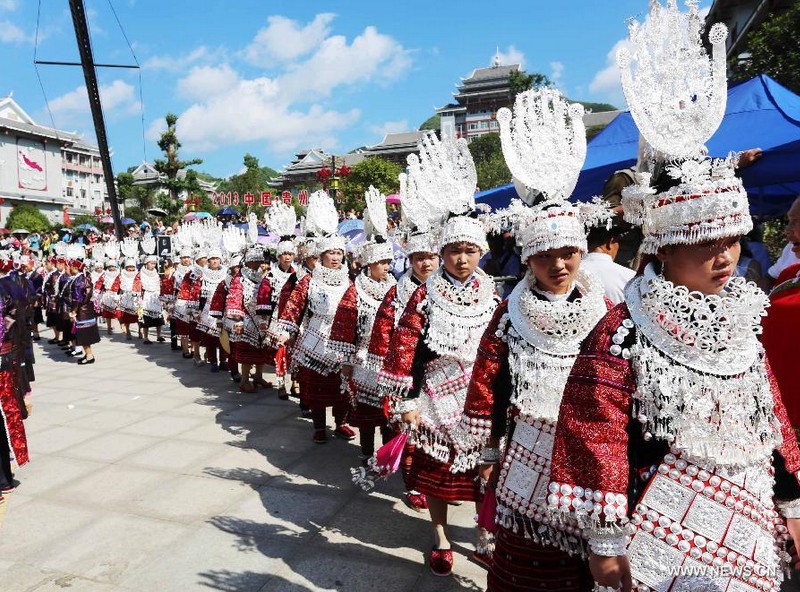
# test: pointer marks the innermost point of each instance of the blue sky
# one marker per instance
(273, 77)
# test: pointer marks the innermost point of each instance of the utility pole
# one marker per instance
(93, 90)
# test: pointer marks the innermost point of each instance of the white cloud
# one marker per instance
(510, 57)
(11, 33)
(371, 56)
(287, 110)
(118, 98)
(284, 39)
(390, 127)
(183, 61)
(557, 73)
(9, 5)
(606, 84)
(207, 80)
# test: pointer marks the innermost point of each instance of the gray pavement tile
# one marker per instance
(34, 526)
(211, 558)
(47, 472)
(186, 498)
(109, 548)
(109, 447)
(163, 426)
(52, 414)
(58, 438)
(106, 419)
(213, 433)
(114, 487)
(174, 456)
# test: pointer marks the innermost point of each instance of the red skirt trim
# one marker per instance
(521, 565)
(244, 353)
(126, 317)
(12, 416)
(182, 328)
(367, 416)
(318, 391)
(432, 477)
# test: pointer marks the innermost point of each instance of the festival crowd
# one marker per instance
(615, 429)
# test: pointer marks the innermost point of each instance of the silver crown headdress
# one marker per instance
(444, 178)
(544, 144)
(376, 228)
(112, 250)
(149, 245)
(130, 247)
(322, 218)
(419, 234)
(677, 95)
(282, 220)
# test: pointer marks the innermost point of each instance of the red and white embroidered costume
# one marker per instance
(129, 291)
(249, 302)
(430, 361)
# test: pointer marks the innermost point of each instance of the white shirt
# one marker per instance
(787, 259)
(613, 276)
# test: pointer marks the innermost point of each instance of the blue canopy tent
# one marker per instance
(760, 114)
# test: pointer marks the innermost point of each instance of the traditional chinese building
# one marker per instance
(47, 167)
(396, 147)
(302, 172)
(477, 100)
(742, 17)
(146, 175)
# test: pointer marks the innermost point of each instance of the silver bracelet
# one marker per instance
(489, 455)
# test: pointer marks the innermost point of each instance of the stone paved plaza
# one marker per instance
(147, 474)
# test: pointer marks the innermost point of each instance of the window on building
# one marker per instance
(69, 191)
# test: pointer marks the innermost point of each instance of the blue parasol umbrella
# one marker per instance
(350, 224)
(127, 221)
(88, 227)
(202, 215)
(228, 212)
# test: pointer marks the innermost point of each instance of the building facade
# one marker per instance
(52, 169)
(146, 175)
(477, 100)
(301, 173)
(396, 147)
(742, 17)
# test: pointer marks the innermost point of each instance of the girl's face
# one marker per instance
(378, 271)
(704, 267)
(332, 259)
(555, 269)
(461, 259)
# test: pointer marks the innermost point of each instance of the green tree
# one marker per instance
(134, 196)
(520, 81)
(774, 50)
(27, 217)
(171, 165)
(433, 123)
(375, 171)
(490, 165)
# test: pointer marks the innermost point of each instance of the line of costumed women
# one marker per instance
(673, 449)
(313, 305)
(352, 327)
(529, 347)
(430, 358)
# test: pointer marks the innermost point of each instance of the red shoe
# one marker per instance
(441, 562)
(345, 432)
(320, 437)
(416, 501)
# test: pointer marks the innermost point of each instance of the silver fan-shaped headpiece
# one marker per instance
(544, 144)
(676, 92)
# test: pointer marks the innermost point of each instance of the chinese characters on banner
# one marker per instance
(264, 198)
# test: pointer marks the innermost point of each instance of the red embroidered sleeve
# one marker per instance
(264, 298)
(195, 289)
(343, 330)
(589, 472)
(396, 376)
(234, 303)
(137, 283)
(115, 286)
(286, 291)
(217, 306)
(476, 421)
(98, 285)
(382, 329)
(292, 313)
(788, 449)
(168, 288)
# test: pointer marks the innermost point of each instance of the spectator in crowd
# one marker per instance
(502, 260)
(604, 246)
